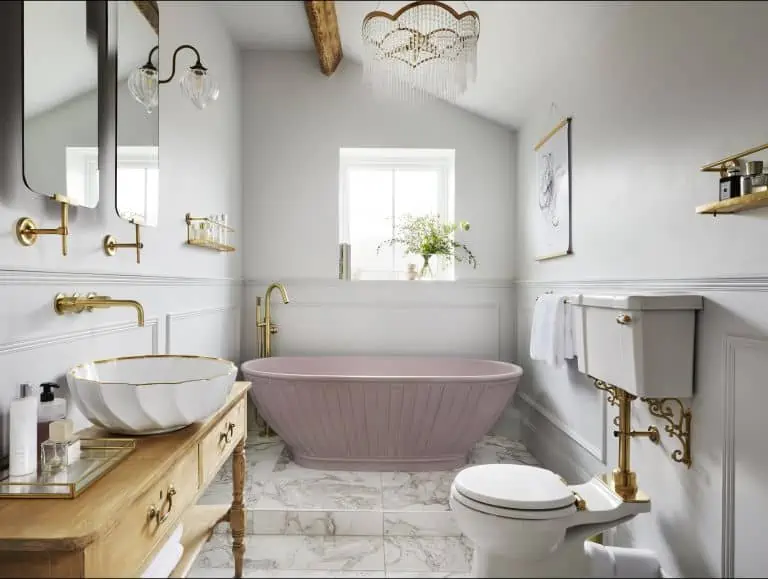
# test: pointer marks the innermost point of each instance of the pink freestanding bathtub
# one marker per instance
(381, 413)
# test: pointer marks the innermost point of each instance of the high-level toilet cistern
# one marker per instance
(264, 327)
(527, 521)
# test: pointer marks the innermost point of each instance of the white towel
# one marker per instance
(167, 557)
(552, 339)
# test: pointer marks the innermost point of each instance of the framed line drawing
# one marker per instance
(553, 193)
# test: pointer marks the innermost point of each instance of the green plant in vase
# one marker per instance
(426, 236)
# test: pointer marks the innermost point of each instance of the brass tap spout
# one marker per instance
(268, 328)
(76, 304)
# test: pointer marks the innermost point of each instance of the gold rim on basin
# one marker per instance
(146, 356)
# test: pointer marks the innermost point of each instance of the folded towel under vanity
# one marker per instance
(167, 557)
(552, 339)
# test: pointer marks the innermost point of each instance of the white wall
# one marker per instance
(646, 115)
(191, 296)
(295, 120)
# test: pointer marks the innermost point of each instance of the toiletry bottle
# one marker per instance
(50, 409)
(23, 436)
(730, 185)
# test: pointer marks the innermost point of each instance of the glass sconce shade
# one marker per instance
(144, 84)
(199, 87)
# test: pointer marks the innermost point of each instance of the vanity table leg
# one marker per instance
(237, 513)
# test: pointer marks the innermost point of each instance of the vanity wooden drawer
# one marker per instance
(220, 440)
(146, 523)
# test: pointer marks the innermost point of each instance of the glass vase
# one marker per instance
(426, 272)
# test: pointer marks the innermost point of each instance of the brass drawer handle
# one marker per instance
(624, 319)
(157, 513)
(228, 434)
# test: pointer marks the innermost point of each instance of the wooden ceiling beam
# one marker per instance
(325, 30)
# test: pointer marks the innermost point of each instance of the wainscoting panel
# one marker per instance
(326, 317)
(745, 464)
(205, 332)
(392, 328)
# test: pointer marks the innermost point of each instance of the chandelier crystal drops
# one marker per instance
(424, 48)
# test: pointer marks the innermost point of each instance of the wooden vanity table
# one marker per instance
(116, 527)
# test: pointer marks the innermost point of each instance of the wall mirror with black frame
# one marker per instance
(138, 127)
(61, 99)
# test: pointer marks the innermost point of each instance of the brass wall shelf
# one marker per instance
(210, 245)
(736, 205)
(678, 427)
(758, 198)
(202, 236)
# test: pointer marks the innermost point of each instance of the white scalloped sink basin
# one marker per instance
(150, 394)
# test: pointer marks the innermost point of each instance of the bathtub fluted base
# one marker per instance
(384, 464)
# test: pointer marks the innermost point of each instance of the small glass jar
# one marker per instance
(55, 455)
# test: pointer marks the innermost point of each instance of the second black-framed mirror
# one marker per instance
(138, 126)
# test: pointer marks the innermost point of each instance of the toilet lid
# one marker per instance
(514, 486)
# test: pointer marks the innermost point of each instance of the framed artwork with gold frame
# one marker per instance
(553, 193)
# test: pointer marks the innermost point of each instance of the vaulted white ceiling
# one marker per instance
(531, 54)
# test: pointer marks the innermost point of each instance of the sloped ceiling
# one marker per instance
(530, 54)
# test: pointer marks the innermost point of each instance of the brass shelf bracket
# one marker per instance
(608, 388)
(679, 424)
(27, 230)
(111, 246)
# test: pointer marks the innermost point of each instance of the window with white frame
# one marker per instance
(377, 187)
(138, 179)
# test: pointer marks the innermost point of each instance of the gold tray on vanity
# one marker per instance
(98, 456)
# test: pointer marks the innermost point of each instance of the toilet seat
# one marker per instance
(514, 492)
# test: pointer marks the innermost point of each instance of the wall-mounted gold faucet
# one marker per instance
(76, 304)
(264, 327)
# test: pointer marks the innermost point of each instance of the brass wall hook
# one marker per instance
(678, 427)
(27, 231)
(111, 245)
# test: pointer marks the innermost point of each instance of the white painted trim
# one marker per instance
(597, 453)
(173, 317)
(729, 430)
(752, 283)
(732, 344)
(68, 337)
(418, 286)
(22, 276)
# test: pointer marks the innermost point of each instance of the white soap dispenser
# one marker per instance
(50, 409)
(23, 436)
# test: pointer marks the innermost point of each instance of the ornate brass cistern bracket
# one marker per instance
(679, 427)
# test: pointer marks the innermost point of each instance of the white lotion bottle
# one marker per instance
(23, 436)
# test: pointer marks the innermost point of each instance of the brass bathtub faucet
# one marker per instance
(264, 327)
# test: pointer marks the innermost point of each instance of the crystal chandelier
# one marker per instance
(144, 82)
(424, 48)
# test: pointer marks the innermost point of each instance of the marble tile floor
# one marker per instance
(315, 523)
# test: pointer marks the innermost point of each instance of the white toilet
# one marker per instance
(525, 521)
